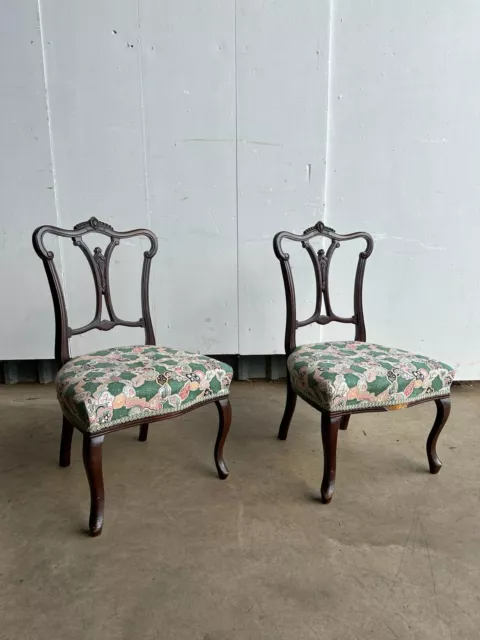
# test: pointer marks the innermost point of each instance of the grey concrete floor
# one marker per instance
(185, 556)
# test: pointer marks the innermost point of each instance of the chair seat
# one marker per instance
(114, 386)
(350, 376)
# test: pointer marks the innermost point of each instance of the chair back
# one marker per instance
(99, 264)
(321, 265)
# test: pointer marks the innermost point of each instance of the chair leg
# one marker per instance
(344, 423)
(143, 433)
(443, 411)
(330, 428)
(289, 409)
(66, 443)
(92, 459)
(225, 415)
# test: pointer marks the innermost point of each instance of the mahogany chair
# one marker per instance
(119, 388)
(343, 378)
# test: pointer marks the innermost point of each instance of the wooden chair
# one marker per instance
(343, 378)
(119, 388)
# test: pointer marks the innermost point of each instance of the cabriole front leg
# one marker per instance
(443, 411)
(330, 426)
(92, 459)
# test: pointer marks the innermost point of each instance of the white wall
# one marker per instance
(209, 124)
(282, 88)
(403, 163)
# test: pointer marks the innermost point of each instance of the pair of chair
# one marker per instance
(122, 387)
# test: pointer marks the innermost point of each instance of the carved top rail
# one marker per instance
(321, 260)
(99, 263)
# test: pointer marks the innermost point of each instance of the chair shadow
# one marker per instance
(313, 496)
(205, 469)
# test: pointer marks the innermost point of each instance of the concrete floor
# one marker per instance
(185, 556)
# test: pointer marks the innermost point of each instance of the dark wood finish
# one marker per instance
(66, 443)
(335, 420)
(330, 428)
(225, 419)
(443, 411)
(289, 410)
(92, 459)
(143, 432)
(99, 263)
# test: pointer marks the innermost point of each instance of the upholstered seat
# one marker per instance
(350, 376)
(114, 386)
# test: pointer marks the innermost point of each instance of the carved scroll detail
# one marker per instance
(101, 262)
(94, 224)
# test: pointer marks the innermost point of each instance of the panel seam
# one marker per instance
(52, 150)
(236, 167)
(144, 119)
(144, 144)
(328, 123)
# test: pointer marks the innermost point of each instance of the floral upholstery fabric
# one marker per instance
(348, 376)
(114, 386)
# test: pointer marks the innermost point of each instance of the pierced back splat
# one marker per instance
(321, 265)
(100, 266)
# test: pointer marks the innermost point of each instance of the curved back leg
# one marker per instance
(225, 415)
(66, 443)
(289, 410)
(143, 432)
(443, 411)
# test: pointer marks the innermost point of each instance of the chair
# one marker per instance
(343, 378)
(119, 388)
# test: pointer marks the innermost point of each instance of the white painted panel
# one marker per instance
(282, 64)
(95, 93)
(26, 185)
(403, 164)
(189, 86)
(143, 122)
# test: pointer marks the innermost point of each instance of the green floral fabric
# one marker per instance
(348, 376)
(118, 385)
